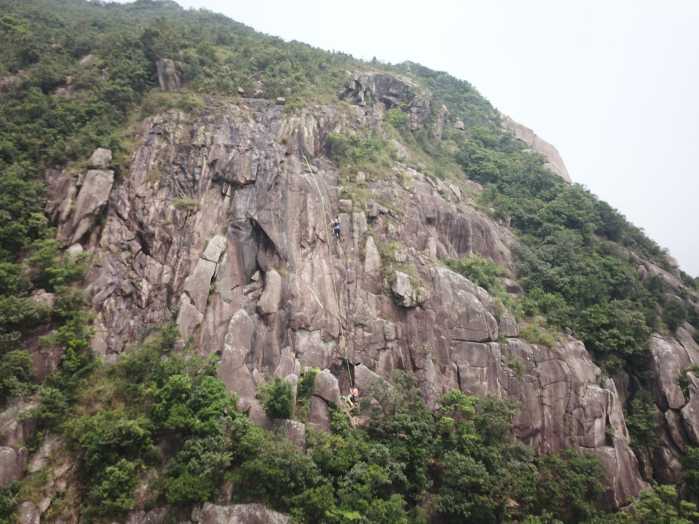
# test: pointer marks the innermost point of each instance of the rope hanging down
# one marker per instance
(347, 321)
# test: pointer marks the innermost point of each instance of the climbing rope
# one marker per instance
(347, 320)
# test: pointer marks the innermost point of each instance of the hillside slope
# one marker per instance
(171, 284)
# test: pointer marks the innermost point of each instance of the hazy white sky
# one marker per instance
(613, 84)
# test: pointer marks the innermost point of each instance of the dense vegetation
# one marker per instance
(169, 422)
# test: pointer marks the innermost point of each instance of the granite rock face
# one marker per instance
(168, 74)
(240, 514)
(675, 361)
(223, 223)
(550, 153)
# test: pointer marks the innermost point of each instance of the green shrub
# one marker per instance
(674, 314)
(53, 407)
(16, 374)
(305, 385)
(481, 271)
(690, 465)
(196, 471)
(185, 204)
(661, 505)
(355, 150)
(276, 475)
(278, 398)
(315, 504)
(569, 486)
(642, 421)
(8, 502)
(536, 333)
(397, 118)
(108, 436)
(112, 492)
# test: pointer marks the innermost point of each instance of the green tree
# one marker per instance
(278, 398)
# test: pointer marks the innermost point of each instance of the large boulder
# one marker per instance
(12, 464)
(271, 296)
(240, 514)
(28, 513)
(91, 200)
(101, 158)
(327, 387)
(168, 74)
(553, 158)
(406, 291)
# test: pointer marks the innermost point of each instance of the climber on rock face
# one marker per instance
(337, 231)
(354, 395)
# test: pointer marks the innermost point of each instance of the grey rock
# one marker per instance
(168, 74)
(550, 153)
(240, 514)
(670, 360)
(327, 387)
(154, 516)
(319, 415)
(92, 198)
(214, 249)
(405, 293)
(101, 158)
(44, 298)
(28, 513)
(12, 463)
(198, 283)
(271, 296)
(345, 206)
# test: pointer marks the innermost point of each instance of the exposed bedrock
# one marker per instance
(222, 226)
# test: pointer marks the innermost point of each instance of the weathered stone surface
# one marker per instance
(690, 412)
(168, 74)
(366, 381)
(28, 513)
(198, 284)
(12, 463)
(101, 158)
(240, 514)
(92, 198)
(550, 153)
(16, 427)
(406, 293)
(188, 318)
(319, 414)
(40, 459)
(271, 296)
(154, 516)
(327, 387)
(670, 361)
(252, 271)
(214, 249)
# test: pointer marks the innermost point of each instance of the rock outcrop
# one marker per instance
(240, 514)
(15, 430)
(168, 74)
(550, 153)
(675, 361)
(223, 223)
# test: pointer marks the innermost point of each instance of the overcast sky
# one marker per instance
(614, 85)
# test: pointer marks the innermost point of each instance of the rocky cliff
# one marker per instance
(214, 217)
(223, 224)
(553, 158)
